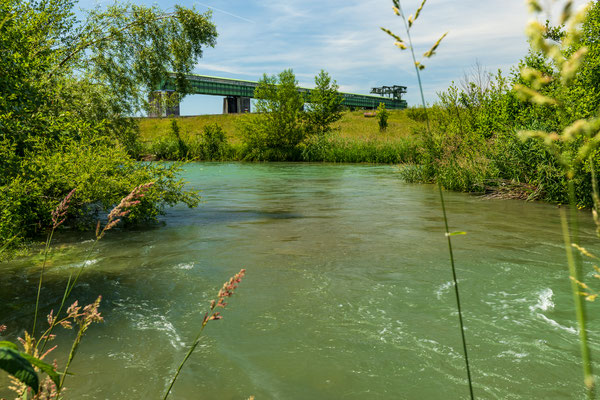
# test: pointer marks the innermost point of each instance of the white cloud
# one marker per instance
(343, 37)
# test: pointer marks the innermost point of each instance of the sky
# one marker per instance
(344, 39)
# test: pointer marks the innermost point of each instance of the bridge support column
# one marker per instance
(163, 104)
(236, 105)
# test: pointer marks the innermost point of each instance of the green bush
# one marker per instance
(324, 105)
(101, 173)
(333, 148)
(276, 129)
(382, 117)
(68, 85)
(416, 114)
(167, 148)
(214, 143)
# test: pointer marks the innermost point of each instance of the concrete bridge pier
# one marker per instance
(236, 105)
(163, 104)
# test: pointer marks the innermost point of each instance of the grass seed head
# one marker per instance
(59, 214)
(419, 10)
(431, 51)
(400, 45)
(392, 34)
(571, 66)
(567, 12)
(534, 6)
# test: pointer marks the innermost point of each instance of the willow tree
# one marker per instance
(69, 85)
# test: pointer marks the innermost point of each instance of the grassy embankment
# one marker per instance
(355, 138)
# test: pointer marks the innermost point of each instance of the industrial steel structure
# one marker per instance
(238, 93)
(395, 91)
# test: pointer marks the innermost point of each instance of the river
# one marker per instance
(348, 293)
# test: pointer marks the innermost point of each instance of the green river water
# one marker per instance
(348, 293)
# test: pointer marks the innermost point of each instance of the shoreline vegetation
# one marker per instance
(353, 139)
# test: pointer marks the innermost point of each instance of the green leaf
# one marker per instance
(16, 365)
(456, 233)
(10, 345)
(44, 367)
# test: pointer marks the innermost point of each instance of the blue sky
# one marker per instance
(343, 38)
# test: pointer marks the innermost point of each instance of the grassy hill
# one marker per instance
(355, 138)
(352, 125)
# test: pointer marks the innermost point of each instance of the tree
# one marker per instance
(325, 105)
(382, 117)
(68, 89)
(584, 94)
(275, 131)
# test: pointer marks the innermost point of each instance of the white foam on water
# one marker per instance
(513, 354)
(186, 266)
(555, 324)
(161, 323)
(545, 303)
(443, 288)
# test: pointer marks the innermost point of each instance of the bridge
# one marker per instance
(237, 94)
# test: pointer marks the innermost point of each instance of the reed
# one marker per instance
(19, 364)
(571, 147)
(401, 44)
(212, 314)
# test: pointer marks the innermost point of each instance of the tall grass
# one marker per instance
(212, 314)
(418, 67)
(583, 136)
(24, 366)
(354, 139)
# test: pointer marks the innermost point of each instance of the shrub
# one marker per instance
(102, 173)
(214, 143)
(416, 114)
(382, 117)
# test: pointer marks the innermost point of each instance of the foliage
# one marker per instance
(67, 89)
(102, 175)
(214, 143)
(324, 106)
(334, 148)
(408, 23)
(416, 114)
(474, 142)
(276, 129)
(579, 138)
(382, 117)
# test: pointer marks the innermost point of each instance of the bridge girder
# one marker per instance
(237, 88)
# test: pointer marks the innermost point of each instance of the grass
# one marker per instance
(355, 134)
(418, 66)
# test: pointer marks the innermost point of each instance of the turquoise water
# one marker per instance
(348, 293)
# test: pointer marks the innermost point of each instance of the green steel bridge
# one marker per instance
(238, 93)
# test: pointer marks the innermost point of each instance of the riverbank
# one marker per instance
(354, 138)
